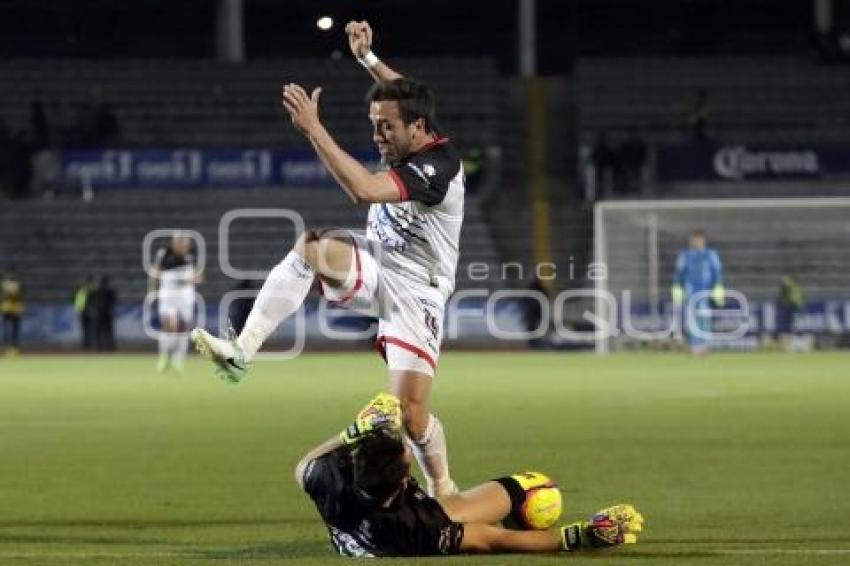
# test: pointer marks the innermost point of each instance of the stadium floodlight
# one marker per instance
(325, 23)
(759, 241)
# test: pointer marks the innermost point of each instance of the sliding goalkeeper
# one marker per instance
(697, 282)
(361, 484)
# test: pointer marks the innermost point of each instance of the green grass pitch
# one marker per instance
(734, 459)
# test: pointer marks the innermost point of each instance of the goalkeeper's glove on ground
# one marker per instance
(612, 526)
(382, 411)
(718, 295)
(677, 294)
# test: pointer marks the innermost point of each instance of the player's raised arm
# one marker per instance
(360, 42)
(382, 411)
(359, 183)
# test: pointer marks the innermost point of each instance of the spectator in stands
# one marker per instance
(103, 300)
(633, 155)
(105, 123)
(12, 309)
(39, 126)
(5, 159)
(60, 125)
(82, 131)
(19, 153)
(45, 136)
(789, 301)
(84, 307)
(45, 169)
(604, 160)
(699, 115)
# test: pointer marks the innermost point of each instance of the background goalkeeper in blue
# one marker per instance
(698, 270)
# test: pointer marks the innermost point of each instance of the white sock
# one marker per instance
(163, 343)
(282, 294)
(431, 454)
(181, 345)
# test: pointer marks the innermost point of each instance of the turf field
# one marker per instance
(733, 459)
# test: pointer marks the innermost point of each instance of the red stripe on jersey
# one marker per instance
(432, 144)
(399, 184)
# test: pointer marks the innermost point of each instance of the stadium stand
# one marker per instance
(209, 103)
(55, 244)
(752, 98)
(176, 103)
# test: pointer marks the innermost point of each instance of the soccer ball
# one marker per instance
(543, 503)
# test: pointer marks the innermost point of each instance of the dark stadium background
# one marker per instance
(595, 134)
(608, 110)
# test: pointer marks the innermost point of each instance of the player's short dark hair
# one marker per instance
(415, 100)
(379, 465)
(698, 233)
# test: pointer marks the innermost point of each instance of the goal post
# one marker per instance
(759, 242)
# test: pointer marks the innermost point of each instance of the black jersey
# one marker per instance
(176, 272)
(413, 525)
(165, 259)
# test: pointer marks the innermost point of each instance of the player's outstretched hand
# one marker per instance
(618, 524)
(382, 411)
(359, 37)
(302, 109)
(612, 526)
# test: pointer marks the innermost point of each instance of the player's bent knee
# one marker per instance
(312, 244)
(305, 244)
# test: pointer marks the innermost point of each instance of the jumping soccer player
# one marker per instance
(360, 482)
(402, 271)
(175, 272)
(698, 270)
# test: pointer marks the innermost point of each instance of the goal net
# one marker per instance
(759, 241)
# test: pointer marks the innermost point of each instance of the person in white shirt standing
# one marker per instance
(174, 277)
(402, 270)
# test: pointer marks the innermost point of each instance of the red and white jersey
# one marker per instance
(419, 237)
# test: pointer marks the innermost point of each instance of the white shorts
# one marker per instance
(177, 303)
(410, 327)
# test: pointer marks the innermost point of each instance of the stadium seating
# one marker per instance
(55, 244)
(752, 98)
(209, 103)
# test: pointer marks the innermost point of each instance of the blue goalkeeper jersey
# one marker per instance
(698, 270)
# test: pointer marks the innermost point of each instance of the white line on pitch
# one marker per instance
(763, 551)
